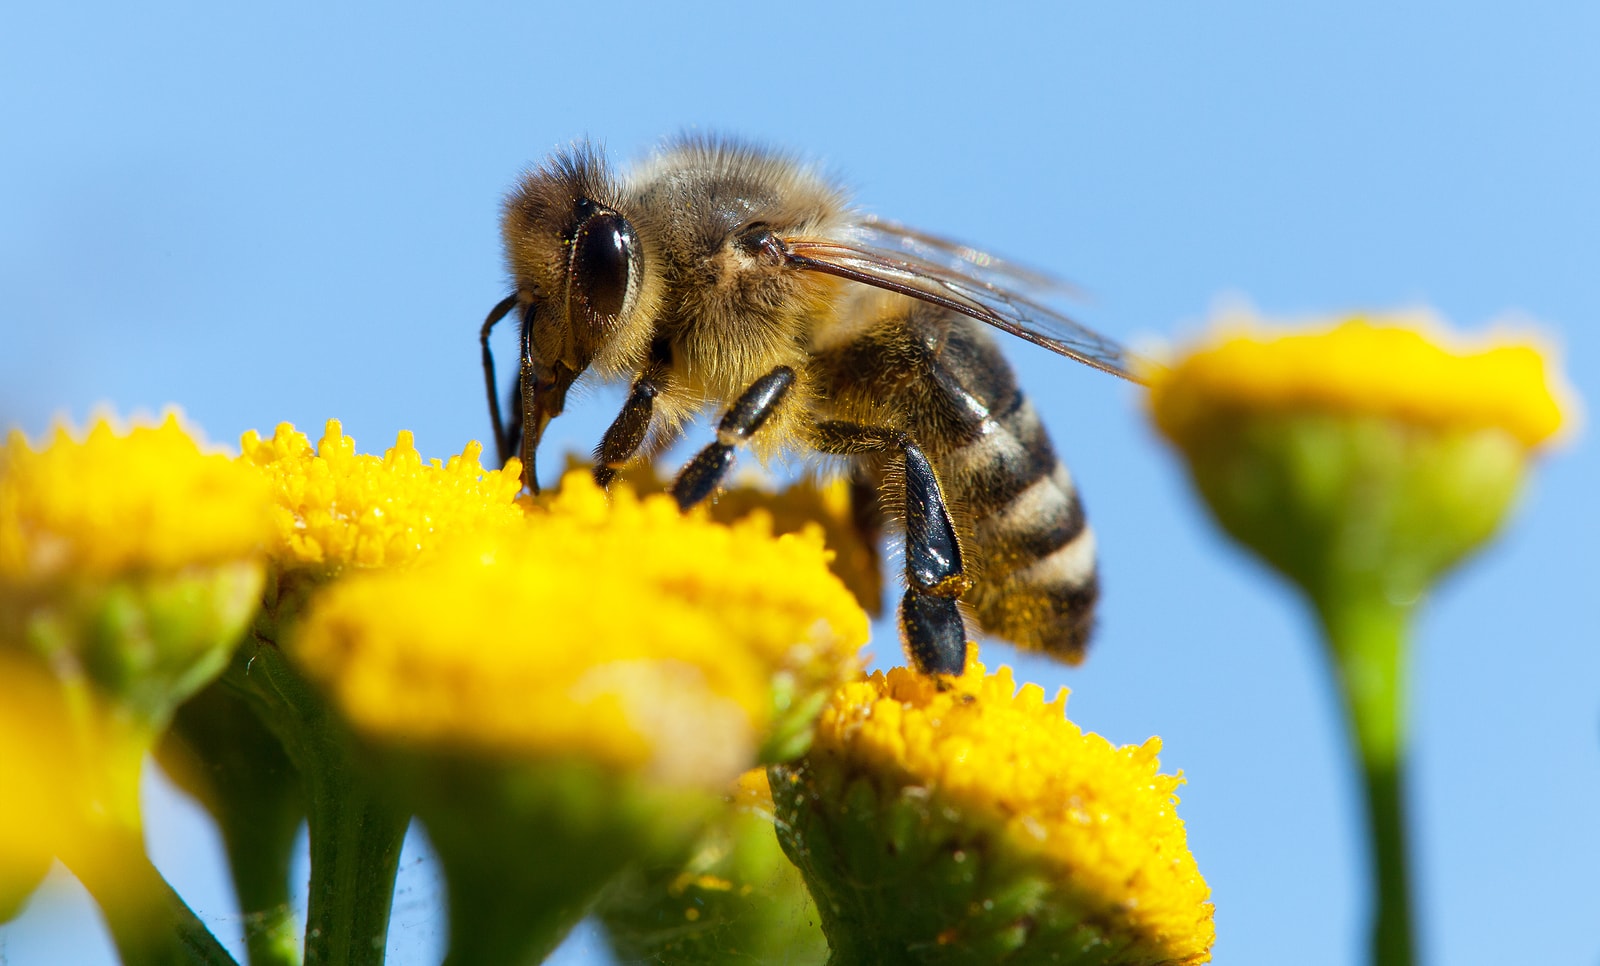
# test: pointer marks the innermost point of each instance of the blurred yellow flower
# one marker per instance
(130, 559)
(336, 507)
(117, 501)
(130, 562)
(44, 800)
(1404, 368)
(975, 820)
(1363, 455)
(1363, 461)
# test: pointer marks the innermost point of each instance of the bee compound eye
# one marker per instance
(603, 263)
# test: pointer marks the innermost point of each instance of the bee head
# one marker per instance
(575, 260)
(578, 269)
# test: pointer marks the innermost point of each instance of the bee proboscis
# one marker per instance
(720, 275)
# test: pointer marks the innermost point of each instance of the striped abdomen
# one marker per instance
(941, 378)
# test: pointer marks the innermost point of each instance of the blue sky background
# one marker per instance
(289, 212)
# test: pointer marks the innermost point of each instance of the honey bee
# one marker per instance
(721, 275)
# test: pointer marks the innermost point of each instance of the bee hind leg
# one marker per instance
(930, 623)
(866, 519)
(700, 478)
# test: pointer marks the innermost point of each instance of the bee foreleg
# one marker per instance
(930, 624)
(511, 442)
(505, 442)
(699, 479)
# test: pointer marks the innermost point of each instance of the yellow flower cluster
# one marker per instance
(1386, 367)
(624, 631)
(660, 654)
(336, 507)
(1101, 818)
(118, 501)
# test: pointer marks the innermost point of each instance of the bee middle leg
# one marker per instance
(625, 434)
(699, 479)
(930, 623)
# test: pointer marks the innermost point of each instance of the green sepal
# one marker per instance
(735, 899)
(1343, 504)
(899, 876)
(219, 752)
(794, 719)
(142, 642)
(527, 848)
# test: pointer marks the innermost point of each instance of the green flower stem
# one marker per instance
(218, 751)
(356, 837)
(861, 944)
(261, 880)
(260, 865)
(1367, 634)
(356, 833)
(149, 923)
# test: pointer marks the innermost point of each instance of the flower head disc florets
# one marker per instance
(337, 508)
(1404, 368)
(975, 822)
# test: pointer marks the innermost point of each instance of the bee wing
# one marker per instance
(890, 236)
(963, 289)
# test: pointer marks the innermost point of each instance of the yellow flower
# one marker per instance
(1365, 455)
(337, 508)
(1400, 368)
(975, 823)
(579, 689)
(827, 505)
(337, 513)
(624, 631)
(129, 559)
(116, 501)
(1362, 462)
